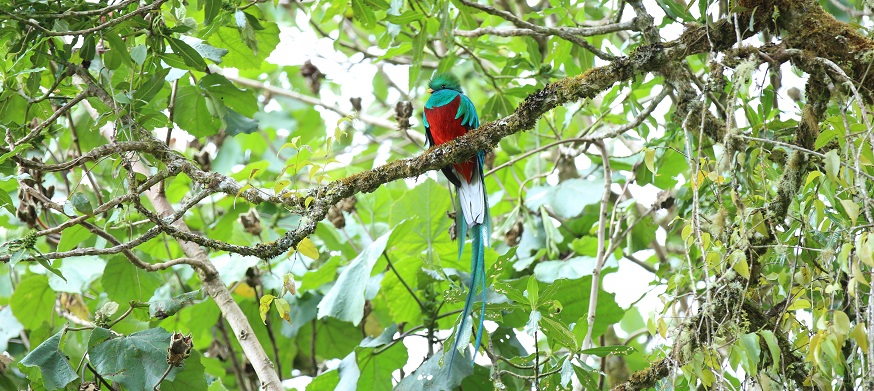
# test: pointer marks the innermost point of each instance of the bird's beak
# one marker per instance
(430, 90)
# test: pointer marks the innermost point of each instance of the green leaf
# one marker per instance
(211, 9)
(398, 300)
(190, 56)
(376, 369)
(32, 301)
(558, 332)
(206, 50)
(138, 54)
(82, 203)
(264, 307)
(832, 164)
(52, 363)
(6, 202)
(568, 199)
(15, 151)
(405, 18)
(496, 107)
(136, 361)
(533, 292)
(48, 265)
(773, 347)
(241, 56)
(345, 300)
(325, 273)
(124, 282)
(191, 377)
(88, 48)
(363, 14)
(427, 203)
(749, 345)
(80, 272)
(196, 119)
(435, 374)
(150, 88)
(237, 123)
(221, 88)
(418, 55)
(72, 237)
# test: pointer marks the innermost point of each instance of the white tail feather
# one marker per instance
(472, 196)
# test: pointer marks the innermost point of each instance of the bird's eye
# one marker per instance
(443, 86)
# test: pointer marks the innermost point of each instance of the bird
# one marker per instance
(448, 115)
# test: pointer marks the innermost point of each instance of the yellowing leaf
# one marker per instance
(264, 306)
(852, 209)
(865, 249)
(832, 164)
(279, 185)
(842, 324)
(649, 160)
(740, 264)
(288, 284)
(687, 231)
(860, 336)
(799, 304)
(245, 290)
(308, 249)
(812, 176)
(283, 308)
(701, 176)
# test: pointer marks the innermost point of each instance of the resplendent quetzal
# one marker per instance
(450, 114)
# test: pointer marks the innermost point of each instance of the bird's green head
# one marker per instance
(444, 81)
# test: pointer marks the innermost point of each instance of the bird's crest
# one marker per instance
(445, 81)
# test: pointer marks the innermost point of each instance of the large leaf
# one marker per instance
(52, 363)
(241, 56)
(435, 375)
(401, 304)
(136, 361)
(192, 114)
(345, 300)
(32, 301)
(220, 87)
(376, 368)
(429, 202)
(124, 282)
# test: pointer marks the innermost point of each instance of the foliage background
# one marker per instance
(269, 224)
